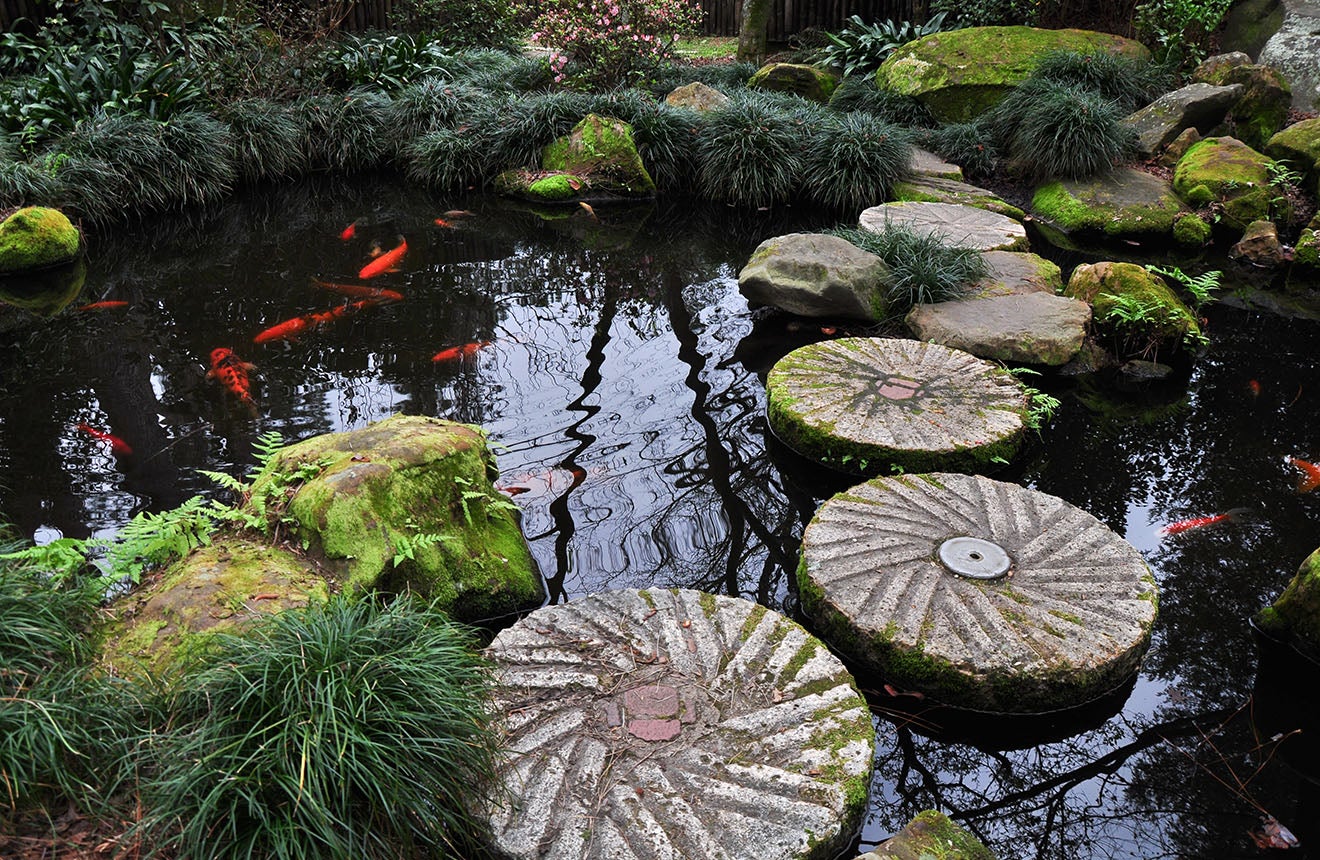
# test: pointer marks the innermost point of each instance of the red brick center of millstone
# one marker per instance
(653, 712)
(897, 388)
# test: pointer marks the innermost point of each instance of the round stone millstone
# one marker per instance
(956, 224)
(1066, 623)
(862, 404)
(674, 724)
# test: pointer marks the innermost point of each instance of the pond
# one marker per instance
(621, 378)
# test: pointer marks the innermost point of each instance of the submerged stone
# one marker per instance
(37, 237)
(408, 503)
(803, 80)
(645, 723)
(863, 405)
(47, 291)
(1295, 616)
(931, 835)
(978, 593)
(955, 224)
(816, 275)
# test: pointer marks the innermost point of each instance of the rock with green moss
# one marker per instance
(407, 503)
(1199, 107)
(1191, 230)
(803, 80)
(1134, 306)
(1295, 616)
(1227, 172)
(1261, 108)
(816, 275)
(1127, 204)
(935, 189)
(931, 835)
(1249, 25)
(601, 150)
(47, 291)
(35, 238)
(1016, 272)
(216, 588)
(1304, 274)
(1298, 145)
(961, 74)
(1028, 328)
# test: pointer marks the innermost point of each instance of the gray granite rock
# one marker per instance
(1200, 106)
(1032, 328)
(696, 96)
(1293, 51)
(816, 275)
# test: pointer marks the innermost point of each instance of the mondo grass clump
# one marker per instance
(267, 140)
(854, 159)
(1052, 130)
(970, 145)
(1130, 81)
(346, 730)
(861, 94)
(346, 132)
(923, 267)
(448, 159)
(750, 151)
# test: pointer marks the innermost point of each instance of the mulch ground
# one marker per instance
(71, 835)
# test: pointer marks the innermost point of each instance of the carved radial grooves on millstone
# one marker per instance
(708, 681)
(1066, 624)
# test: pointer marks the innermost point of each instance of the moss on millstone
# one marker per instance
(931, 836)
(407, 503)
(1108, 286)
(216, 588)
(803, 80)
(1295, 616)
(1191, 230)
(37, 237)
(602, 150)
(1228, 171)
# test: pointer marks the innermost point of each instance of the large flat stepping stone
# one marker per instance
(861, 405)
(1013, 273)
(675, 724)
(937, 189)
(1032, 328)
(927, 164)
(958, 225)
(979, 593)
(1125, 203)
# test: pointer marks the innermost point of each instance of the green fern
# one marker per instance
(229, 482)
(60, 560)
(406, 547)
(1201, 288)
(153, 539)
(267, 446)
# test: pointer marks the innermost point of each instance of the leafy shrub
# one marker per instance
(388, 61)
(923, 267)
(987, 13)
(1050, 129)
(970, 145)
(750, 151)
(861, 94)
(1177, 31)
(609, 42)
(267, 140)
(344, 730)
(854, 159)
(859, 48)
(1129, 81)
(346, 132)
(464, 23)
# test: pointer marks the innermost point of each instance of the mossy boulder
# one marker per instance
(1249, 25)
(1295, 616)
(696, 96)
(1226, 171)
(1191, 230)
(45, 292)
(931, 835)
(1261, 109)
(408, 503)
(1126, 204)
(1299, 146)
(215, 589)
(803, 80)
(1135, 306)
(602, 150)
(37, 237)
(961, 74)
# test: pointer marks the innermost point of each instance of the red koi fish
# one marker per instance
(1253, 386)
(460, 352)
(349, 232)
(293, 328)
(379, 294)
(383, 262)
(102, 306)
(1200, 522)
(118, 446)
(1310, 477)
(232, 373)
(440, 222)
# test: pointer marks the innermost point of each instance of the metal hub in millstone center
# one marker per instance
(974, 558)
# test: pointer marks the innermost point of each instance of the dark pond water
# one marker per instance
(622, 385)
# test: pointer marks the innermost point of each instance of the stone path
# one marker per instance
(962, 226)
(675, 724)
(978, 593)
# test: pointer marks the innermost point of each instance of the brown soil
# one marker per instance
(71, 835)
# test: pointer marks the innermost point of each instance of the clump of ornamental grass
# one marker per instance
(970, 145)
(202, 149)
(1129, 81)
(519, 127)
(23, 183)
(750, 151)
(666, 139)
(345, 730)
(133, 148)
(1049, 130)
(499, 71)
(861, 94)
(447, 159)
(347, 132)
(267, 139)
(923, 266)
(427, 105)
(854, 159)
(93, 187)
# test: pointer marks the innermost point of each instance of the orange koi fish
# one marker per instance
(1254, 387)
(460, 352)
(383, 262)
(102, 306)
(293, 328)
(380, 294)
(232, 373)
(349, 232)
(1310, 477)
(440, 222)
(118, 446)
(1200, 522)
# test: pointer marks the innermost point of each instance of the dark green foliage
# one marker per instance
(728, 78)
(750, 151)
(94, 187)
(346, 730)
(1050, 130)
(987, 13)
(202, 149)
(500, 72)
(970, 145)
(923, 267)
(22, 183)
(860, 47)
(346, 132)
(1129, 81)
(861, 94)
(388, 61)
(266, 140)
(518, 128)
(430, 105)
(853, 159)
(464, 23)
(666, 139)
(447, 159)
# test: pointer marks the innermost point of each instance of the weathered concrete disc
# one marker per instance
(862, 404)
(957, 224)
(1067, 622)
(675, 724)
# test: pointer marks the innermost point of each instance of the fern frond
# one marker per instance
(268, 444)
(229, 482)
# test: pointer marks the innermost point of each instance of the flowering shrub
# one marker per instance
(609, 42)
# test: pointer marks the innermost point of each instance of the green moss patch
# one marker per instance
(1227, 171)
(803, 80)
(1126, 204)
(602, 150)
(1116, 291)
(1295, 616)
